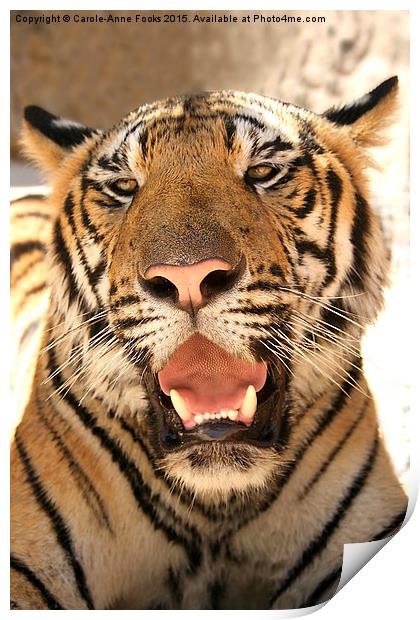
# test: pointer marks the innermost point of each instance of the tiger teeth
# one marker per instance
(249, 405)
(246, 412)
(180, 406)
(232, 414)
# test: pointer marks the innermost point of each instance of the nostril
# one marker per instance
(219, 280)
(213, 283)
(161, 287)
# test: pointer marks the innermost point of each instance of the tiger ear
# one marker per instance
(47, 138)
(369, 115)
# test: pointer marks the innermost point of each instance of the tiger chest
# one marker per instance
(220, 582)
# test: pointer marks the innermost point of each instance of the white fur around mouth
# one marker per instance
(244, 414)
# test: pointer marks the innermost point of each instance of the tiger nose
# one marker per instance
(191, 286)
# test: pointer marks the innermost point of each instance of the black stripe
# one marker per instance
(307, 137)
(308, 204)
(288, 254)
(275, 146)
(87, 222)
(63, 255)
(305, 246)
(176, 589)
(360, 230)
(328, 581)
(58, 524)
(335, 451)
(25, 247)
(334, 314)
(14, 605)
(332, 411)
(335, 186)
(253, 137)
(261, 285)
(129, 322)
(137, 439)
(277, 271)
(269, 308)
(69, 211)
(21, 567)
(98, 271)
(216, 590)
(327, 255)
(237, 116)
(319, 543)
(124, 301)
(107, 164)
(230, 129)
(141, 491)
(304, 160)
(142, 139)
(99, 325)
(391, 527)
(87, 489)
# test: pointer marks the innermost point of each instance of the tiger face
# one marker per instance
(224, 250)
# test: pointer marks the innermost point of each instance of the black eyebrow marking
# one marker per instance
(275, 146)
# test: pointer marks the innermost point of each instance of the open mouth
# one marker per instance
(205, 394)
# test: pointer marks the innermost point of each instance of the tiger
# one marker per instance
(198, 431)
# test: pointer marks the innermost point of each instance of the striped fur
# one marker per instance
(103, 515)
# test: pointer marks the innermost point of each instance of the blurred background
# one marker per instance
(97, 72)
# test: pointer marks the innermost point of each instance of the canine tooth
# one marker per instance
(179, 405)
(198, 418)
(232, 415)
(249, 404)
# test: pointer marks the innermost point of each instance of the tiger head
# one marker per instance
(226, 242)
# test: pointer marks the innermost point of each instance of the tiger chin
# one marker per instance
(190, 298)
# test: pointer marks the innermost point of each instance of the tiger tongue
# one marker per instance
(208, 378)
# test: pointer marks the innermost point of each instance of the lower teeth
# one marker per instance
(232, 414)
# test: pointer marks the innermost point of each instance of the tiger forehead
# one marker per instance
(213, 124)
(207, 105)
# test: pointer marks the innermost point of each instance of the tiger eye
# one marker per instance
(259, 173)
(126, 185)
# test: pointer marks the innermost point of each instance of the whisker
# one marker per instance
(327, 325)
(301, 354)
(79, 372)
(93, 319)
(102, 374)
(345, 314)
(326, 354)
(323, 333)
(79, 351)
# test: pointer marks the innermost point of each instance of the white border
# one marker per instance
(388, 584)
